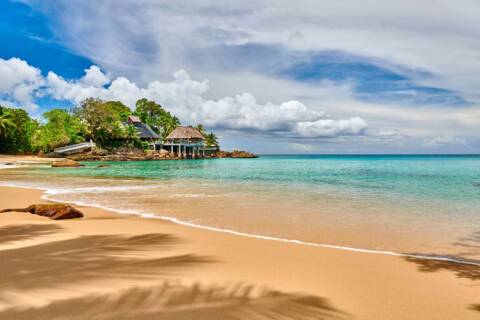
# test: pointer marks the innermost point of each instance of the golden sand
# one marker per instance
(127, 267)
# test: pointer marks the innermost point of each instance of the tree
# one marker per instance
(201, 128)
(18, 133)
(122, 111)
(153, 114)
(62, 128)
(6, 123)
(104, 120)
(211, 140)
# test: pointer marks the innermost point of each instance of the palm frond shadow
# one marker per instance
(467, 265)
(174, 301)
(24, 232)
(475, 307)
(88, 258)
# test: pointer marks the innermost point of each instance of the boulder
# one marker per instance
(52, 211)
(67, 163)
(103, 166)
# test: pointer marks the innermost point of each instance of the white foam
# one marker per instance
(49, 192)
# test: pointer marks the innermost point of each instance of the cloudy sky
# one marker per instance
(277, 76)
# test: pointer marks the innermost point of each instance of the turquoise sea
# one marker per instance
(425, 204)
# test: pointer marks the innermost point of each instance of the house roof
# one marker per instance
(133, 119)
(145, 131)
(185, 133)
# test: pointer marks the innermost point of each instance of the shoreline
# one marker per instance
(338, 273)
(47, 192)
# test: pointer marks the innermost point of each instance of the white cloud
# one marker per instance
(443, 141)
(184, 97)
(145, 39)
(301, 147)
(19, 82)
(328, 128)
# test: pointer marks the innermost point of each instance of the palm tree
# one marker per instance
(211, 140)
(5, 124)
(170, 124)
(201, 128)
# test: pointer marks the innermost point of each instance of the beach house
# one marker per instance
(185, 142)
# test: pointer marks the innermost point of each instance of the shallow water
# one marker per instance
(409, 204)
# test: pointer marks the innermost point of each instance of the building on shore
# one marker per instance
(187, 143)
(145, 132)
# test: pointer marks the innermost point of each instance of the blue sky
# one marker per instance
(312, 78)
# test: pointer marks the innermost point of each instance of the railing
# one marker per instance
(75, 147)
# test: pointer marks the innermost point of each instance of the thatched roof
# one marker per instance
(185, 133)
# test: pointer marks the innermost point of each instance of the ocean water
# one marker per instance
(428, 205)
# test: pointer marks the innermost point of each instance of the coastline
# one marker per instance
(356, 284)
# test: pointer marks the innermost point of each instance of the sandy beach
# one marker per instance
(128, 267)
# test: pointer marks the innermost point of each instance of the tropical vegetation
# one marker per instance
(104, 122)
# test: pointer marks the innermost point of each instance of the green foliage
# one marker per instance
(153, 114)
(17, 129)
(62, 128)
(104, 123)
(201, 128)
(120, 109)
(6, 123)
(211, 140)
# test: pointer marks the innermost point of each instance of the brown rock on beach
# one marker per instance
(67, 163)
(52, 211)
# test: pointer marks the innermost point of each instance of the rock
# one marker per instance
(235, 154)
(52, 211)
(103, 166)
(67, 163)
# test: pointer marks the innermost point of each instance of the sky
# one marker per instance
(305, 76)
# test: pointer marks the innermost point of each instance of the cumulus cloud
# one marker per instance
(443, 141)
(301, 147)
(331, 128)
(19, 82)
(185, 97)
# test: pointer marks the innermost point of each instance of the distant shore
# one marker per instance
(119, 265)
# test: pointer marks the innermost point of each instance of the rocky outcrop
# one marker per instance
(67, 163)
(141, 155)
(124, 155)
(52, 211)
(235, 154)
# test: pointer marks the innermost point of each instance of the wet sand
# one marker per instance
(127, 267)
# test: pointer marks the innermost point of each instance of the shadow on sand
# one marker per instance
(89, 258)
(470, 251)
(475, 307)
(24, 232)
(469, 269)
(108, 258)
(172, 301)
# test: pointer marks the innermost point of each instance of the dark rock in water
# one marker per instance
(52, 211)
(103, 166)
(235, 154)
(67, 163)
